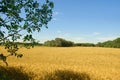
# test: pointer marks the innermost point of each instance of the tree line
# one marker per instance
(111, 43)
(59, 42)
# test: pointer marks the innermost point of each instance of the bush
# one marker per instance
(13, 73)
(65, 75)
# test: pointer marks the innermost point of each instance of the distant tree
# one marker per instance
(114, 43)
(18, 20)
(47, 43)
(117, 43)
(99, 44)
(59, 42)
(85, 44)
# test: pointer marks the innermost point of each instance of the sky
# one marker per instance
(83, 21)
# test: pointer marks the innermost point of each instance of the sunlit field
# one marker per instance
(97, 63)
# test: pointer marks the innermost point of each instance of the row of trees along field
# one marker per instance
(113, 43)
(59, 42)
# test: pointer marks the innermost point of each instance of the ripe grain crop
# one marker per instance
(97, 63)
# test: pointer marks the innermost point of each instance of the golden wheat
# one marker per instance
(99, 63)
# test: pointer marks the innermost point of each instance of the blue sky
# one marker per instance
(83, 21)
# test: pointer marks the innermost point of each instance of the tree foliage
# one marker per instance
(59, 42)
(85, 44)
(113, 44)
(18, 20)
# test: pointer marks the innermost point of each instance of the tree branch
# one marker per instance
(3, 39)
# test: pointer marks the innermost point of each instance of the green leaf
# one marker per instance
(2, 34)
(29, 30)
(51, 4)
(35, 5)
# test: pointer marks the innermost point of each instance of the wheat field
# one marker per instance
(98, 63)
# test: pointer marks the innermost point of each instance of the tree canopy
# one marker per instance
(113, 43)
(58, 42)
(22, 16)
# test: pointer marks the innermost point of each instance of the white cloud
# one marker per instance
(54, 19)
(55, 13)
(59, 32)
(107, 38)
(79, 40)
(62, 34)
(96, 33)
